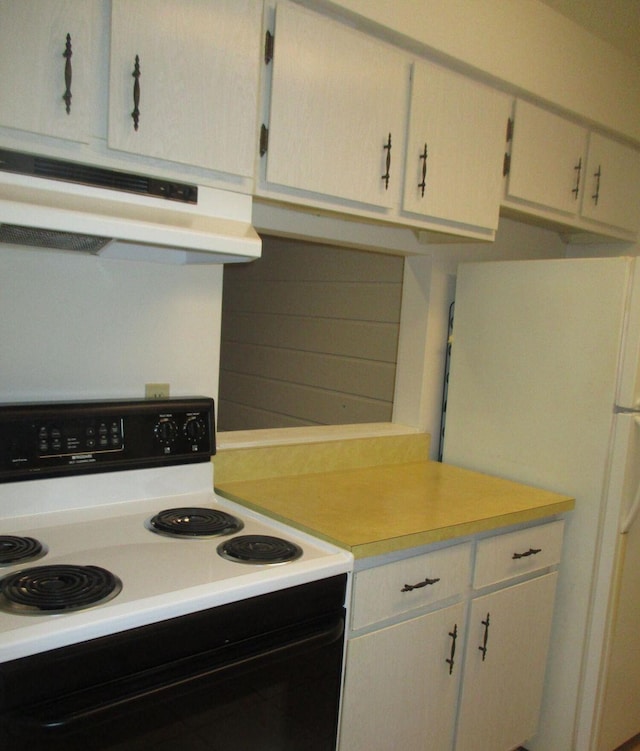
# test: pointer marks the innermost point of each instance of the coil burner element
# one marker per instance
(14, 549)
(258, 549)
(58, 588)
(194, 522)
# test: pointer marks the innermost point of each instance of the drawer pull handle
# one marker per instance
(531, 551)
(483, 647)
(454, 636)
(419, 585)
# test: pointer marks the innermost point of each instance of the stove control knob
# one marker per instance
(195, 429)
(166, 431)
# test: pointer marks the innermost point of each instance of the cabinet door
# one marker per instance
(400, 692)
(505, 665)
(338, 99)
(455, 148)
(199, 64)
(33, 43)
(547, 159)
(612, 183)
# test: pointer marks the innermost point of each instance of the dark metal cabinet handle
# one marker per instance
(136, 93)
(531, 551)
(596, 195)
(423, 159)
(427, 582)
(578, 170)
(454, 636)
(68, 52)
(483, 647)
(387, 174)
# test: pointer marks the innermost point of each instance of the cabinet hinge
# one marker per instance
(506, 165)
(264, 139)
(268, 47)
(509, 129)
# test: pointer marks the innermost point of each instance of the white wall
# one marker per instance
(523, 44)
(75, 326)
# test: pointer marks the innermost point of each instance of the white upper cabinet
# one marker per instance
(561, 170)
(547, 159)
(49, 81)
(455, 148)
(611, 193)
(190, 73)
(338, 111)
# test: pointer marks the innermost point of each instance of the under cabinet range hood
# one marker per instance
(60, 205)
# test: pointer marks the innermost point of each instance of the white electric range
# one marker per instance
(104, 470)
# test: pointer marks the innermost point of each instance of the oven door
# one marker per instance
(261, 674)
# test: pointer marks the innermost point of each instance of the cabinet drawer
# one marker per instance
(409, 584)
(504, 557)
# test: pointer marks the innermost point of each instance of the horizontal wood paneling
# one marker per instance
(297, 260)
(348, 375)
(370, 340)
(359, 301)
(239, 416)
(309, 336)
(312, 406)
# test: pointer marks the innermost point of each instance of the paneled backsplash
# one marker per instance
(309, 336)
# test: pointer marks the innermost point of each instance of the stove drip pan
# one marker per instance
(59, 588)
(15, 549)
(194, 522)
(259, 549)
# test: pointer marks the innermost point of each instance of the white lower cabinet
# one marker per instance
(400, 691)
(443, 657)
(508, 641)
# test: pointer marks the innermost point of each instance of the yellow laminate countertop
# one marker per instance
(381, 509)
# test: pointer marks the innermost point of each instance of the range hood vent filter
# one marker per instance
(41, 238)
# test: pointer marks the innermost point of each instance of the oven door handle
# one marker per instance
(104, 702)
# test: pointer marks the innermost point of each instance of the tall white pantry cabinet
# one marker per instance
(446, 656)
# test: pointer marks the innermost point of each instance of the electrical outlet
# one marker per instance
(156, 391)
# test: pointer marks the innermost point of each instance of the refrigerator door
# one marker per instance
(532, 387)
(534, 365)
(619, 686)
(628, 395)
(620, 495)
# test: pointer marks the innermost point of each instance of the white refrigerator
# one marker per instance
(544, 388)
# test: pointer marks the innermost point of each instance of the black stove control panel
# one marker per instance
(64, 438)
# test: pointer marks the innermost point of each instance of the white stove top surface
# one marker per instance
(162, 577)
